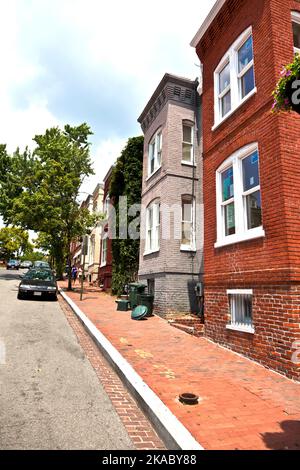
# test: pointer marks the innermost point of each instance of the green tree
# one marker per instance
(45, 198)
(126, 180)
(13, 242)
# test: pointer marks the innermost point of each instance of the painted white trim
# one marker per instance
(155, 171)
(188, 163)
(244, 329)
(207, 22)
(240, 291)
(233, 110)
(164, 416)
(150, 252)
(252, 234)
(187, 248)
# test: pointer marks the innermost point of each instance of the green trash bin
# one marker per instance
(147, 300)
(135, 289)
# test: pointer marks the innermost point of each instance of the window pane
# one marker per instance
(187, 210)
(229, 219)
(241, 309)
(186, 235)
(250, 171)
(187, 134)
(247, 82)
(187, 155)
(224, 78)
(227, 184)
(296, 32)
(226, 103)
(254, 217)
(245, 54)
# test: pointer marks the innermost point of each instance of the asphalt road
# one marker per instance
(50, 396)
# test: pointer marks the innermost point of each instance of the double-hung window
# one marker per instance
(296, 31)
(152, 227)
(240, 305)
(187, 143)
(234, 77)
(239, 208)
(104, 250)
(187, 223)
(154, 154)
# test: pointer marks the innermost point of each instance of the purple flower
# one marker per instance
(286, 101)
(288, 73)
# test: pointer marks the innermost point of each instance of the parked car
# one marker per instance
(41, 264)
(38, 283)
(26, 264)
(13, 264)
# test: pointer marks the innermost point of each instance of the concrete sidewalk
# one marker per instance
(242, 405)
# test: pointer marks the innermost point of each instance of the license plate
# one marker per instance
(37, 293)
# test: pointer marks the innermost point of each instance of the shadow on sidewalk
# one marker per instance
(289, 439)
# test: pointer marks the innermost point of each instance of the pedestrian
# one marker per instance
(79, 273)
(74, 273)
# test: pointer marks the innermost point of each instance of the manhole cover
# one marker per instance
(188, 398)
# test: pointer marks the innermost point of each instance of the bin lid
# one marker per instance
(139, 312)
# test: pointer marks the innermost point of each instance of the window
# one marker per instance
(187, 143)
(239, 209)
(234, 77)
(240, 305)
(187, 223)
(154, 157)
(296, 31)
(152, 227)
(104, 250)
(106, 206)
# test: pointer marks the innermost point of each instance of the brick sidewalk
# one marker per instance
(242, 405)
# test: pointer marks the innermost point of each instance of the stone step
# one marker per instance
(192, 330)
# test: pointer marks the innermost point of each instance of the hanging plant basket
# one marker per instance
(287, 92)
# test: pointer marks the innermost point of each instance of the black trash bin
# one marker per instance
(147, 300)
(135, 289)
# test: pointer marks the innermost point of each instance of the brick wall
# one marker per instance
(270, 265)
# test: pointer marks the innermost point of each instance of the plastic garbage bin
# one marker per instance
(147, 300)
(135, 289)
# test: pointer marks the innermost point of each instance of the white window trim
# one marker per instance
(155, 140)
(104, 263)
(192, 144)
(296, 19)
(236, 100)
(155, 227)
(192, 246)
(242, 233)
(236, 327)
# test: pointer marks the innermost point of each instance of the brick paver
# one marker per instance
(242, 405)
(138, 427)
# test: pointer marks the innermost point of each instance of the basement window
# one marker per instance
(240, 305)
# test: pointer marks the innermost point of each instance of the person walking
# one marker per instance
(74, 274)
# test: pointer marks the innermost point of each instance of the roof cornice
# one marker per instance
(207, 22)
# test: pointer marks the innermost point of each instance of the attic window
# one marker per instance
(177, 90)
(188, 94)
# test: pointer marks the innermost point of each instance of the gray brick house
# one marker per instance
(172, 208)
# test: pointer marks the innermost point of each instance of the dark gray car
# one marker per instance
(38, 283)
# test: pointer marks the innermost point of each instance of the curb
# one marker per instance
(168, 427)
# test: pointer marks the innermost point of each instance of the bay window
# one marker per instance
(154, 154)
(187, 143)
(239, 209)
(234, 77)
(187, 223)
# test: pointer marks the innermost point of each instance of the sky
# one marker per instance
(95, 61)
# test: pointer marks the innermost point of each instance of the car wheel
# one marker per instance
(21, 296)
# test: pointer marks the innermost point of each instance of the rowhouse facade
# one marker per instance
(171, 220)
(251, 181)
(105, 267)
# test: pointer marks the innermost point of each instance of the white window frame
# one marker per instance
(152, 238)
(155, 151)
(234, 324)
(104, 250)
(190, 162)
(192, 245)
(231, 57)
(295, 19)
(242, 233)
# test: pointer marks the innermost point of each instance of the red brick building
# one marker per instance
(105, 268)
(251, 181)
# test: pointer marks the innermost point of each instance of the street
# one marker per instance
(50, 396)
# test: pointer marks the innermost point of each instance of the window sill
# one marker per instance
(154, 172)
(188, 163)
(102, 265)
(243, 329)
(187, 248)
(150, 252)
(217, 124)
(249, 235)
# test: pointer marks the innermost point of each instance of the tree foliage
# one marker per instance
(39, 190)
(126, 180)
(13, 242)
